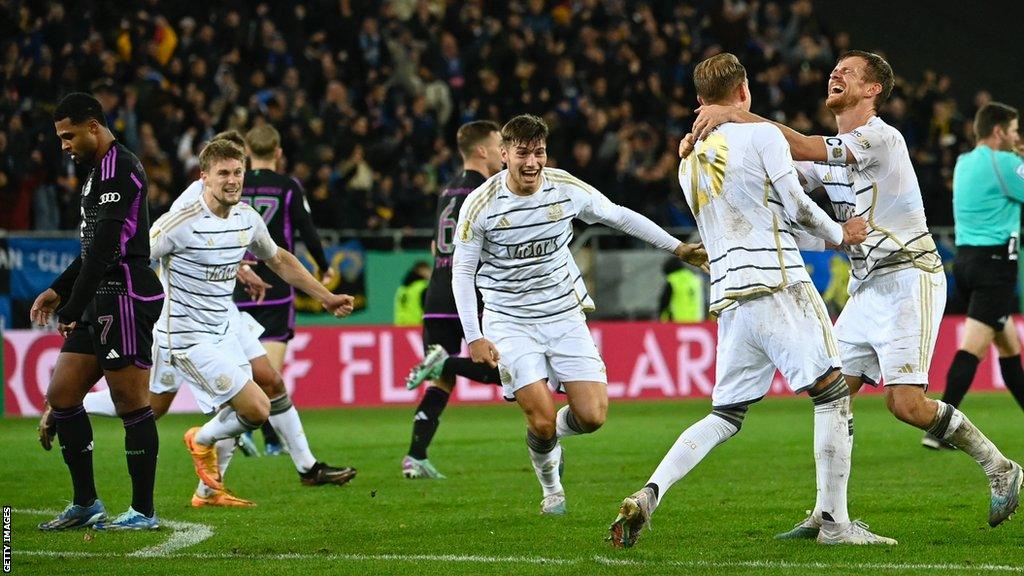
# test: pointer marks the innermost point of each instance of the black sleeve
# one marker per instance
(307, 231)
(103, 253)
(62, 285)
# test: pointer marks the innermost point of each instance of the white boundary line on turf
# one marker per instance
(809, 565)
(184, 534)
(603, 560)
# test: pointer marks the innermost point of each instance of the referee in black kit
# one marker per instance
(988, 189)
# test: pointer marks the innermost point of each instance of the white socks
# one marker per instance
(566, 424)
(689, 449)
(289, 427)
(963, 434)
(226, 424)
(833, 447)
(546, 467)
(100, 403)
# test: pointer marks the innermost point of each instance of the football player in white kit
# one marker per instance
(200, 248)
(517, 226)
(165, 381)
(888, 328)
(754, 217)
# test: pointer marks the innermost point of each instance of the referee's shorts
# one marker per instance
(986, 284)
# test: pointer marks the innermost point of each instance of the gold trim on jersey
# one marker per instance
(481, 201)
(814, 300)
(177, 219)
(926, 322)
(166, 265)
(914, 261)
(728, 299)
(566, 178)
(700, 198)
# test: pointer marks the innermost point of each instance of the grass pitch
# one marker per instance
(484, 518)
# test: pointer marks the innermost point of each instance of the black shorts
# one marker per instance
(444, 331)
(119, 331)
(986, 285)
(278, 321)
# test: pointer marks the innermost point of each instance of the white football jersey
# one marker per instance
(199, 254)
(190, 195)
(527, 272)
(880, 186)
(743, 190)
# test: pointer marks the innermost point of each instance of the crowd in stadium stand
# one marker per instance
(368, 94)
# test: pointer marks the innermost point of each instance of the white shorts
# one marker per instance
(559, 351)
(888, 328)
(217, 371)
(789, 330)
(248, 331)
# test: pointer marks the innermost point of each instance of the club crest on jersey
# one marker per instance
(555, 212)
(222, 382)
(506, 376)
(167, 379)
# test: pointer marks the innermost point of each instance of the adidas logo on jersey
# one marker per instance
(504, 223)
(113, 355)
(906, 369)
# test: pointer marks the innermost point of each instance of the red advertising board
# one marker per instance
(366, 366)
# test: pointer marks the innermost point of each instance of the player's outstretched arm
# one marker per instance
(603, 210)
(811, 148)
(801, 209)
(288, 267)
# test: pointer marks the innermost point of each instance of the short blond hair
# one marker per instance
(718, 76)
(219, 150)
(233, 136)
(263, 141)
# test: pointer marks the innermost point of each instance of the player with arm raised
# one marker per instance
(106, 303)
(281, 201)
(888, 328)
(517, 227)
(165, 381)
(754, 217)
(200, 248)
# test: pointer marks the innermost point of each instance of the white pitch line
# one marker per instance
(602, 560)
(184, 534)
(808, 565)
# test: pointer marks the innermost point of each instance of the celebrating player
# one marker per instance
(754, 217)
(518, 224)
(200, 248)
(888, 328)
